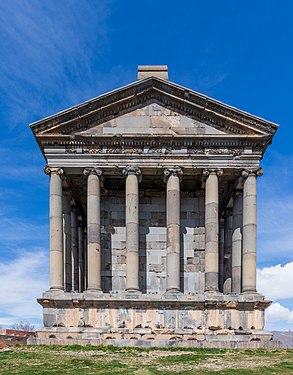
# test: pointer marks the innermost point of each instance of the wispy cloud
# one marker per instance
(43, 55)
(20, 164)
(22, 280)
(17, 231)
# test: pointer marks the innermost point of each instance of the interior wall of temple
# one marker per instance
(152, 243)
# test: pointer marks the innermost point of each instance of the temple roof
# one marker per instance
(220, 120)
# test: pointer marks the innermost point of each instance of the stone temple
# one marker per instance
(153, 219)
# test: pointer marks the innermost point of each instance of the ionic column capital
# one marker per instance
(96, 171)
(175, 171)
(129, 170)
(53, 170)
(207, 171)
(257, 172)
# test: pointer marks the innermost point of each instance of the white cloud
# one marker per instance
(23, 280)
(276, 282)
(278, 318)
(7, 321)
(276, 313)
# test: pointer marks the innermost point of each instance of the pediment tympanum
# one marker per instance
(149, 120)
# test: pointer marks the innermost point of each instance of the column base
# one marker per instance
(91, 291)
(249, 292)
(214, 291)
(133, 290)
(56, 289)
(173, 290)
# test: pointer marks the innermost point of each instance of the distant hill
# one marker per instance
(286, 338)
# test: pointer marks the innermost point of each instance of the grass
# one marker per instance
(106, 360)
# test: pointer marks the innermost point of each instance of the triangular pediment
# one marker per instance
(152, 119)
(153, 106)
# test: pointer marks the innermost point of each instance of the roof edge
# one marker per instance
(207, 99)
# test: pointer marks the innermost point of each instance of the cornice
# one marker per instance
(166, 93)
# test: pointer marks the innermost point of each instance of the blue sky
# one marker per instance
(55, 54)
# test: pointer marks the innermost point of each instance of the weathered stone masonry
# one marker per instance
(153, 219)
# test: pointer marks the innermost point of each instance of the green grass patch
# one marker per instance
(109, 360)
(285, 365)
(185, 358)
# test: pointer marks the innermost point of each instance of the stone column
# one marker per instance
(93, 229)
(249, 230)
(56, 228)
(80, 257)
(74, 250)
(85, 261)
(212, 229)
(227, 285)
(221, 253)
(67, 242)
(133, 177)
(237, 241)
(173, 178)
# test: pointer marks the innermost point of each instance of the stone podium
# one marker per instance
(153, 219)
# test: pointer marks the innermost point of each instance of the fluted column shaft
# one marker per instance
(56, 228)
(249, 231)
(67, 242)
(133, 176)
(237, 241)
(173, 177)
(93, 229)
(212, 229)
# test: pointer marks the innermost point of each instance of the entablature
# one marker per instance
(155, 145)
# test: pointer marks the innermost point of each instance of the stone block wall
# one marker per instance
(113, 246)
(152, 119)
(192, 243)
(152, 251)
(161, 314)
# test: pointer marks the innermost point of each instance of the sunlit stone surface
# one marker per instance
(153, 219)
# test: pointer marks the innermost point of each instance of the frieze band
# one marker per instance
(160, 150)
